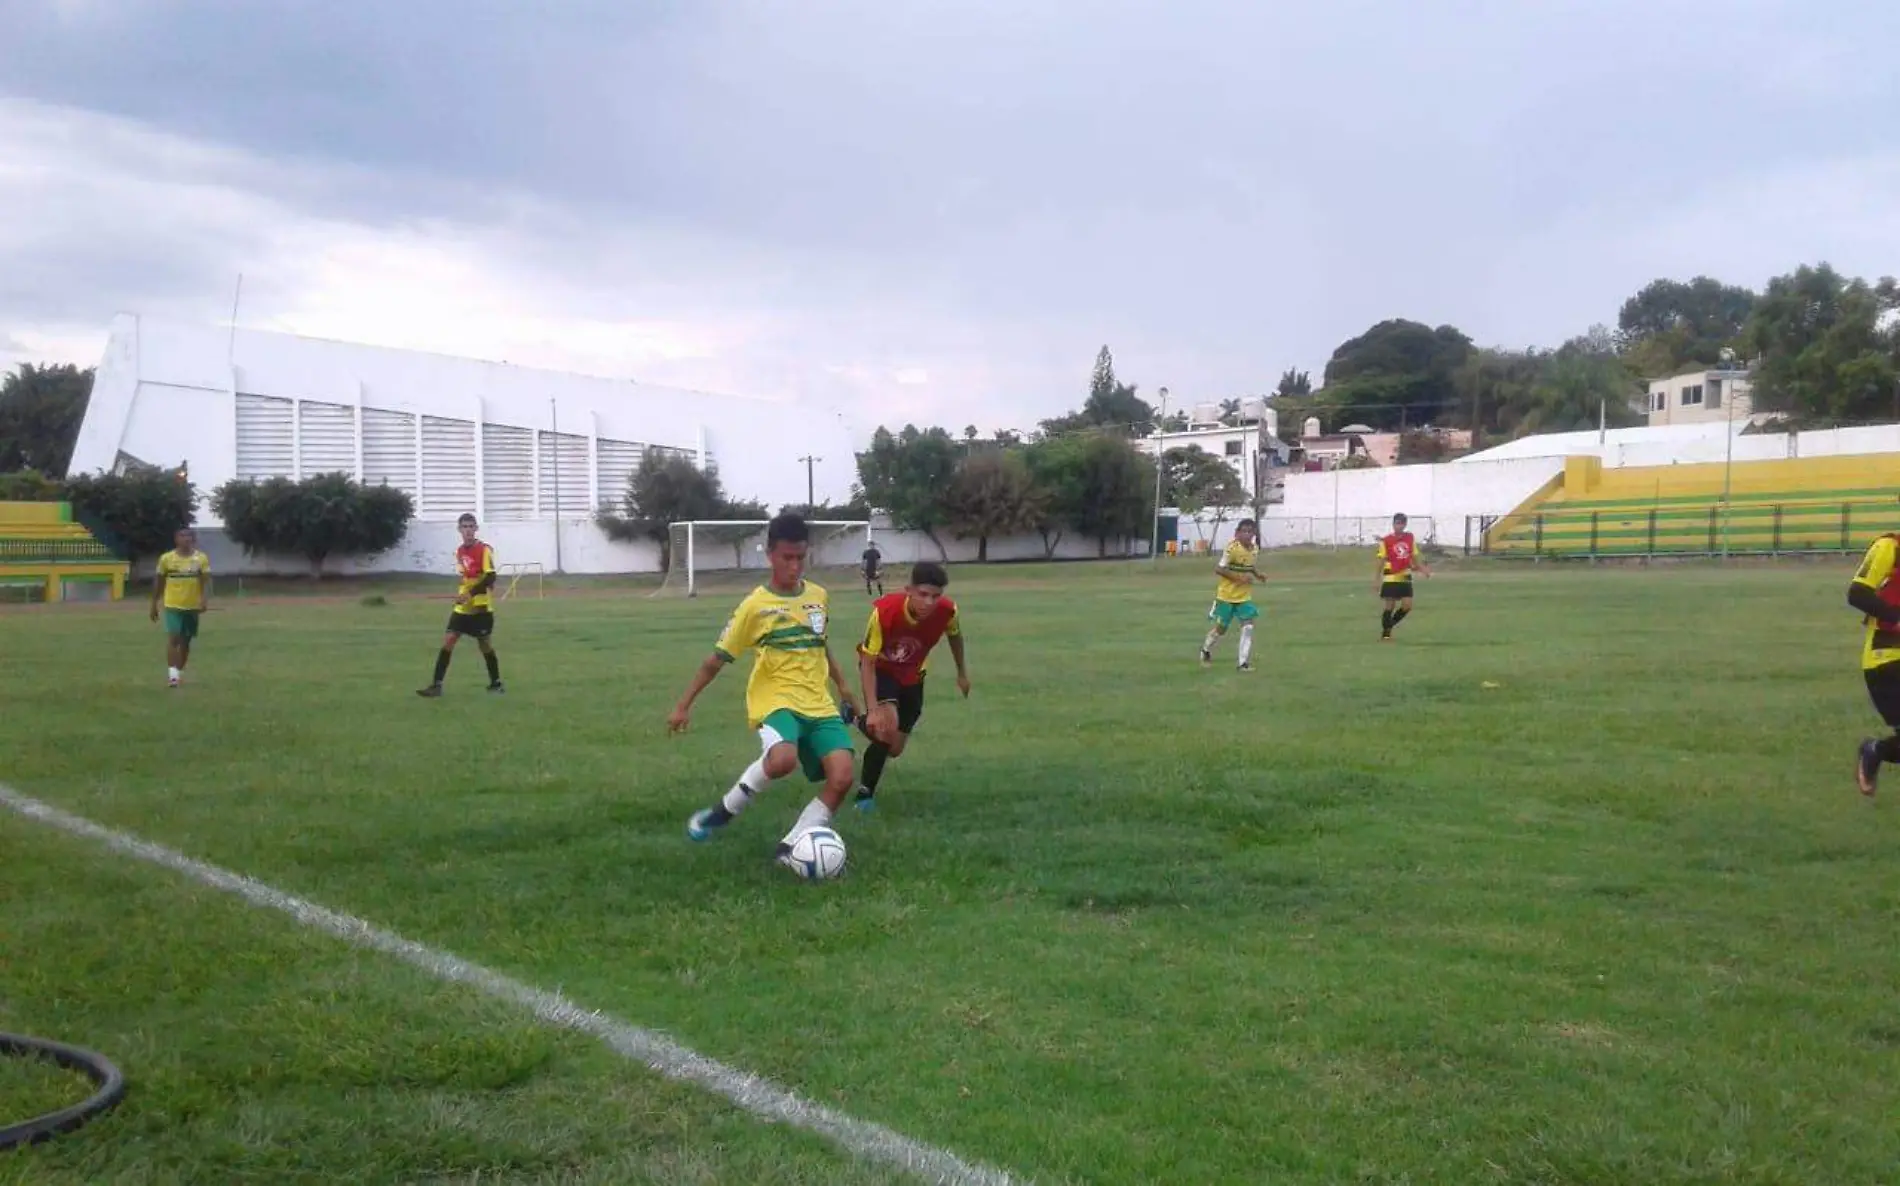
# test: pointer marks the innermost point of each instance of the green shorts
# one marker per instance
(1226, 613)
(181, 623)
(814, 736)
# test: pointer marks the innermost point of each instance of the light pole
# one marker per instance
(811, 493)
(1161, 442)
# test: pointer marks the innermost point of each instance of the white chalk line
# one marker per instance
(761, 1097)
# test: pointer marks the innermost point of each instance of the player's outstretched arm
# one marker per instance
(963, 668)
(158, 591)
(708, 672)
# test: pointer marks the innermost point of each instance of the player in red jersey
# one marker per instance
(904, 626)
(474, 612)
(1398, 557)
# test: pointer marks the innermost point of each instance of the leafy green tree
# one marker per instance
(1112, 406)
(666, 488)
(1294, 383)
(41, 408)
(1196, 481)
(993, 493)
(1828, 350)
(1397, 374)
(1672, 326)
(30, 485)
(906, 474)
(321, 516)
(135, 514)
(1098, 486)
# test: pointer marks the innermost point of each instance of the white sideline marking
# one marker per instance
(761, 1097)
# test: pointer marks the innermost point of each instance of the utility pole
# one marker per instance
(811, 487)
(1161, 449)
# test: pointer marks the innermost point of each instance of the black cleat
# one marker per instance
(496, 687)
(430, 692)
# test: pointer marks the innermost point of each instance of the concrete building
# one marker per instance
(1700, 397)
(532, 453)
(1251, 446)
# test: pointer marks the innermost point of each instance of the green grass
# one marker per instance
(1570, 885)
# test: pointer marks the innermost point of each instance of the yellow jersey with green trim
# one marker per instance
(1880, 571)
(185, 578)
(790, 670)
(1239, 558)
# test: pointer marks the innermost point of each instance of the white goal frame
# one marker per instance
(688, 536)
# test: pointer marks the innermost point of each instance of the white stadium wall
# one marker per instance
(523, 449)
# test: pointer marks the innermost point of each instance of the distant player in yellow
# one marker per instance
(183, 584)
(1875, 592)
(474, 612)
(785, 622)
(1233, 596)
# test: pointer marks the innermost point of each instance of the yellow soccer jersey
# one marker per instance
(1237, 558)
(1877, 572)
(790, 670)
(185, 578)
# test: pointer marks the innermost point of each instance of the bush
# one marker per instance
(134, 514)
(30, 485)
(322, 516)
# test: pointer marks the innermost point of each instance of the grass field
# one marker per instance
(1570, 885)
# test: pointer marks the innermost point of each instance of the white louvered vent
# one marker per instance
(264, 448)
(507, 472)
(618, 460)
(576, 486)
(326, 438)
(448, 467)
(389, 450)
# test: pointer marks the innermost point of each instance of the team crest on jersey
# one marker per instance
(905, 651)
(816, 615)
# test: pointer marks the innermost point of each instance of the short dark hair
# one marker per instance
(929, 572)
(787, 529)
(467, 517)
(1400, 518)
(1246, 523)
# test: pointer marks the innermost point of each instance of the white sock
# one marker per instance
(1246, 644)
(172, 672)
(1213, 637)
(753, 782)
(815, 815)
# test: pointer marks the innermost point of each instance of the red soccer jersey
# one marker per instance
(1397, 551)
(472, 563)
(900, 643)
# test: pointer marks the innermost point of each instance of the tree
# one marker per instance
(1397, 374)
(323, 515)
(993, 493)
(665, 488)
(1112, 406)
(1828, 350)
(905, 476)
(1195, 481)
(1671, 326)
(1295, 383)
(1100, 486)
(137, 513)
(41, 408)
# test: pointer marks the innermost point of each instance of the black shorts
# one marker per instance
(479, 624)
(1396, 590)
(909, 700)
(1883, 685)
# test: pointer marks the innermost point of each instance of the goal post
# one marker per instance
(720, 552)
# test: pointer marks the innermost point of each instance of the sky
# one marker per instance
(910, 210)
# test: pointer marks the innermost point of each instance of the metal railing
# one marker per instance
(1783, 528)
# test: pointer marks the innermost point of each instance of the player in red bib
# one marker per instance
(1398, 557)
(903, 629)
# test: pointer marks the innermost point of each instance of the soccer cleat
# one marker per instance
(172, 681)
(866, 801)
(1867, 769)
(700, 827)
(430, 692)
(1207, 657)
(1244, 667)
(496, 687)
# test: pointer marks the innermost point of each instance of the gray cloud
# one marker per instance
(990, 190)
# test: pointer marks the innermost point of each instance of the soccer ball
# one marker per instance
(816, 855)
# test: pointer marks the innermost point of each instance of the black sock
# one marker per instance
(1385, 621)
(1889, 749)
(494, 667)
(1399, 615)
(874, 765)
(719, 814)
(441, 664)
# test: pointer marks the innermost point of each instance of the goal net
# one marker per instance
(730, 553)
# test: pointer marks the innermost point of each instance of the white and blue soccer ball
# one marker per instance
(817, 855)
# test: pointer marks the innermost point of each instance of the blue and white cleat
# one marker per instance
(700, 826)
